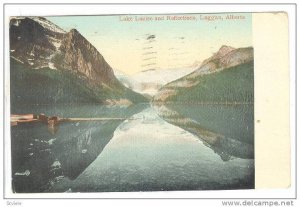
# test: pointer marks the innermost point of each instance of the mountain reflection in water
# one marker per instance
(151, 152)
(228, 129)
(49, 156)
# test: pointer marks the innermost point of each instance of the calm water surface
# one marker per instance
(155, 148)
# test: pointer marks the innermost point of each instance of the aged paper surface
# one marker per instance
(271, 114)
(271, 82)
(272, 135)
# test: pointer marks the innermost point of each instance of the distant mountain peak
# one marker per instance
(74, 35)
(74, 31)
(224, 49)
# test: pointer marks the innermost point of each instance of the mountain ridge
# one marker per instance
(80, 55)
(37, 43)
(226, 58)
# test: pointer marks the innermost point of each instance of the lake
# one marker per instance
(156, 148)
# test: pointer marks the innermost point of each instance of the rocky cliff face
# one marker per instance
(34, 40)
(39, 43)
(80, 55)
(79, 72)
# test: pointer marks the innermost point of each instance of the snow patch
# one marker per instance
(55, 42)
(26, 173)
(51, 66)
(48, 25)
(17, 21)
(56, 165)
(50, 142)
(19, 18)
(17, 59)
(42, 66)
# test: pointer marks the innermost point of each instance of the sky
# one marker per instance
(159, 42)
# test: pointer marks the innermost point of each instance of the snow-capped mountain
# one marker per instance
(34, 41)
(148, 82)
(37, 43)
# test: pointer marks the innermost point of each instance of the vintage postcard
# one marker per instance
(126, 103)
